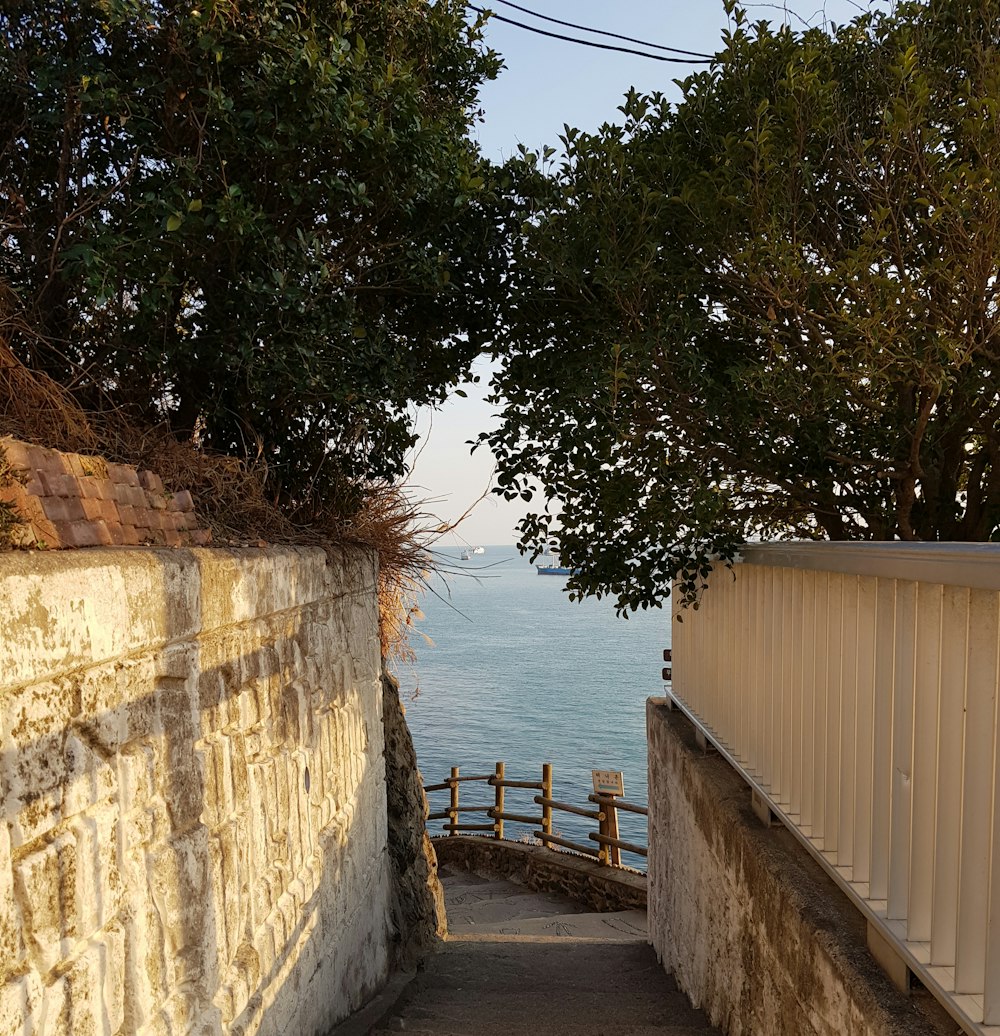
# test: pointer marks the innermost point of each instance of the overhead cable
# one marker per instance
(589, 43)
(602, 32)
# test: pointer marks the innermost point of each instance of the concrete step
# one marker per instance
(502, 1030)
(580, 988)
(481, 905)
(521, 961)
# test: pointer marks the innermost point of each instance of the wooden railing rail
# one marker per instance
(610, 846)
(457, 780)
(611, 800)
(591, 814)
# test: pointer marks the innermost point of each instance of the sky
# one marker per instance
(548, 83)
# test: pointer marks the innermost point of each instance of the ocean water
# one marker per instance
(516, 672)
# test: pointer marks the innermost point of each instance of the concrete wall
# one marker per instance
(750, 926)
(191, 792)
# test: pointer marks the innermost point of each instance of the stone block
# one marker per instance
(32, 762)
(137, 498)
(63, 509)
(110, 949)
(21, 1005)
(11, 942)
(56, 482)
(99, 887)
(91, 488)
(47, 460)
(225, 876)
(17, 452)
(90, 775)
(92, 508)
(123, 474)
(183, 501)
(136, 775)
(91, 533)
(146, 981)
(151, 481)
(178, 875)
(45, 885)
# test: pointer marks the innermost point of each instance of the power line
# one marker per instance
(602, 32)
(588, 43)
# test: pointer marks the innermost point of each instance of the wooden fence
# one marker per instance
(604, 813)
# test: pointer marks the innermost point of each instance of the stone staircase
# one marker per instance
(521, 961)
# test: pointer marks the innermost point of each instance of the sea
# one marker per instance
(509, 669)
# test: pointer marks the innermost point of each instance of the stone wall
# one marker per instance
(193, 834)
(418, 908)
(753, 930)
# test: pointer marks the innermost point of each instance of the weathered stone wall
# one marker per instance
(418, 908)
(193, 834)
(753, 930)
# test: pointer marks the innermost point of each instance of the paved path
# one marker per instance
(520, 962)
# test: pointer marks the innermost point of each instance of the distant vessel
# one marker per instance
(466, 555)
(478, 550)
(553, 568)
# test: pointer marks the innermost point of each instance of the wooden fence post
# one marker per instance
(498, 808)
(547, 793)
(453, 808)
(611, 830)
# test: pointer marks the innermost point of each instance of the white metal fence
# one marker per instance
(855, 686)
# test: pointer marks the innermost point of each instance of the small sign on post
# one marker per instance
(608, 782)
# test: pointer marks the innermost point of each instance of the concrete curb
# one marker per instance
(601, 888)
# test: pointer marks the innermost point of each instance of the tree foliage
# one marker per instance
(769, 310)
(260, 221)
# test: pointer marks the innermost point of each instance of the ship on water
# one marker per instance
(550, 565)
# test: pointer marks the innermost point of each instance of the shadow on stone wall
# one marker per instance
(192, 834)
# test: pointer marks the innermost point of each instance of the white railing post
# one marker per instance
(900, 797)
(977, 793)
(864, 725)
(954, 652)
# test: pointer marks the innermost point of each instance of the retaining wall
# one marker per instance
(752, 929)
(192, 800)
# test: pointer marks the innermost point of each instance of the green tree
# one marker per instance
(260, 221)
(770, 310)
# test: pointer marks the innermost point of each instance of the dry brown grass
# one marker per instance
(395, 526)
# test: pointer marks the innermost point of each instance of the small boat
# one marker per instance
(550, 566)
(478, 550)
(466, 555)
(553, 569)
